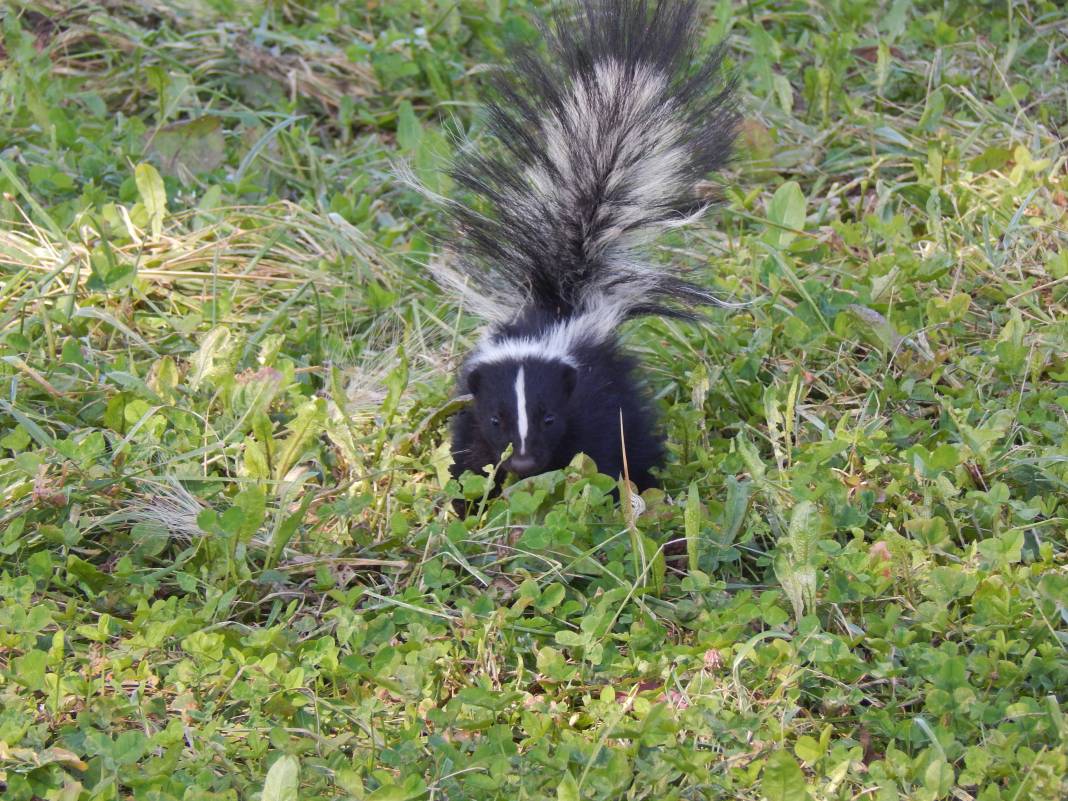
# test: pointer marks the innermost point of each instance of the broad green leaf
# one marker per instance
(409, 131)
(796, 558)
(551, 597)
(692, 521)
(410, 789)
(933, 111)
(568, 789)
(776, 426)
(786, 213)
(283, 780)
(750, 455)
(734, 509)
(396, 381)
(129, 747)
(30, 668)
(252, 502)
(808, 749)
(153, 196)
(303, 429)
(804, 531)
(945, 584)
(164, 378)
(186, 149)
(1003, 550)
(254, 460)
(993, 158)
(782, 779)
(214, 357)
(938, 778)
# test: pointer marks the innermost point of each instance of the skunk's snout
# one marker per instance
(522, 465)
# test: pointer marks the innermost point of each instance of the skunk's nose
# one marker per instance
(521, 464)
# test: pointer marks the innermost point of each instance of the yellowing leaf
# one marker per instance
(153, 196)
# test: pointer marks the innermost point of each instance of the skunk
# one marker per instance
(597, 146)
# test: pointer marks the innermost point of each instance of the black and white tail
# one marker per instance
(601, 144)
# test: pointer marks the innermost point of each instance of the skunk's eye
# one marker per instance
(495, 421)
(549, 419)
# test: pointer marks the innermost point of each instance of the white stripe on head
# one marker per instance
(521, 409)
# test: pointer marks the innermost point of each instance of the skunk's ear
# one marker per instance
(569, 376)
(474, 380)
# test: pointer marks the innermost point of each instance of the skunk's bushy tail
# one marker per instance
(601, 142)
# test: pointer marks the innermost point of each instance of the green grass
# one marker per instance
(228, 568)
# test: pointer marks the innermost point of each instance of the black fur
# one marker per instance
(586, 404)
(600, 143)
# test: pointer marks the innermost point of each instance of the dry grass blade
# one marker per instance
(83, 40)
(279, 244)
(166, 504)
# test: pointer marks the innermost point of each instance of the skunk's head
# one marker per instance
(525, 403)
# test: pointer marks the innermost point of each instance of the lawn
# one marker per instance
(229, 566)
